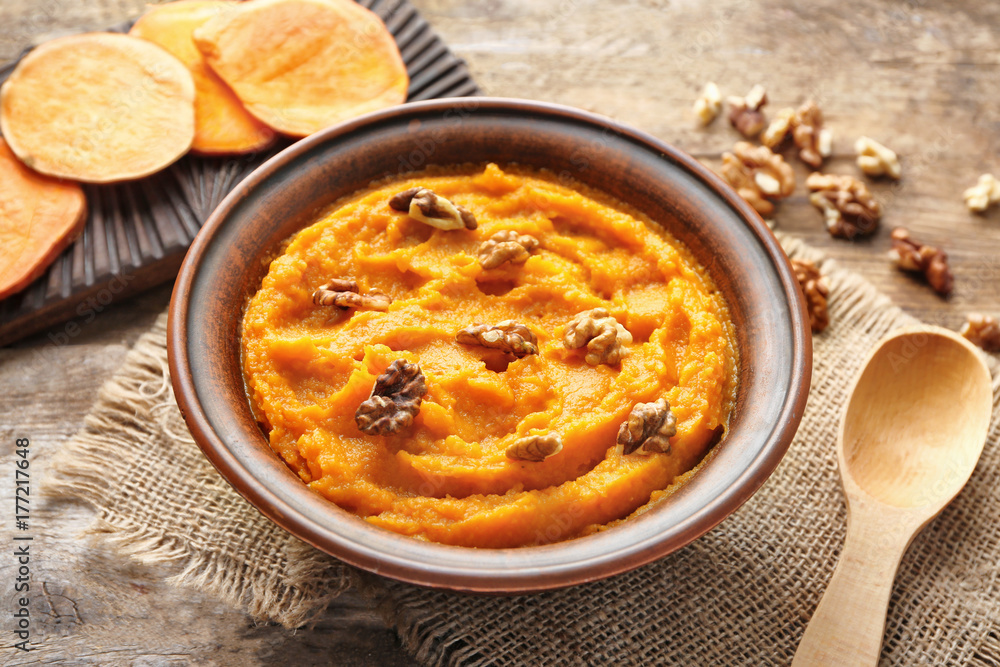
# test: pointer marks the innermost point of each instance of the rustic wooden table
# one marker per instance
(920, 78)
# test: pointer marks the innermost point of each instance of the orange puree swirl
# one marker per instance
(446, 478)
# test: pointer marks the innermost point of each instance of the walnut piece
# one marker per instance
(708, 106)
(506, 246)
(604, 337)
(910, 255)
(394, 401)
(814, 142)
(432, 209)
(874, 159)
(535, 448)
(805, 126)
(778, 129)
(648, 429)
(983, 194)
(816, 289)
(982, 330)
(508, 336)
(758, 175)
(846, 203)
(343, 293)
(745, 112)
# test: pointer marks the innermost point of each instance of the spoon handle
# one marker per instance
(849, 622)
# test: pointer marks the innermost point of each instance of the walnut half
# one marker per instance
(982, 330)
(394, 401)
(983, 194)
(874, 159)
(758, 175)
(432, 209)
(847, 205)
(604, 337)
(815, 288)
(535, 448)
(508, 336)
(709, 104)
(745, 112)
(506, 246)
(812, 139)
(910, 255)
(805, 126)
(648, 429)
(778, 129)
(343, 293)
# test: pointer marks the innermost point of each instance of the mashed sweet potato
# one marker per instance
(446, 478)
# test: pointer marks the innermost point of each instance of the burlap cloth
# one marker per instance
(740, 595)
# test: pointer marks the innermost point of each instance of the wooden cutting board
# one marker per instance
(137, 232)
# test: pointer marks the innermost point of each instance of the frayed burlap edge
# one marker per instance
(137, 406)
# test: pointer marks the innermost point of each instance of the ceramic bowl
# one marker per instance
(227, 261)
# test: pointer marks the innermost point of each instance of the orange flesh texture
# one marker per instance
(302, 65)
(98, 108)
(222, 125)
(447, 479)
(39, 217)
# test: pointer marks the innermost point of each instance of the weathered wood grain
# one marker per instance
(919, 77)
(90, 606)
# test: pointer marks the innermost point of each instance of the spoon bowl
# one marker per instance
(913, 429)
(910, 436)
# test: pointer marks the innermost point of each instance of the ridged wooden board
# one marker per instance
(136, 233)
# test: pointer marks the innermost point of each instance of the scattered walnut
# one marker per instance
(535, 447)
(846, 203)
(506, 246)
(394, 401)
(432, 209)
(982, 330)
(648, 429)
(815, 288)
(604, 337)
(984, 193)
(805, 126)
(708, 106)
(509, 336)
(874, 159)
(779, 128)
(758, 175)
(910, 255)
(343, 293)
(814, 142)
(745, 112)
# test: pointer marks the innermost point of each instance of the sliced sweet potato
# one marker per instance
(39, 217)
(98, 107)
(221, 125)
(301, 65)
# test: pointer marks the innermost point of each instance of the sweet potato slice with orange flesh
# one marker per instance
(98, 107)
(221, 125)
(39, 217)
(302, 65)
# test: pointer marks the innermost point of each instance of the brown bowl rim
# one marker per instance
(502, 580)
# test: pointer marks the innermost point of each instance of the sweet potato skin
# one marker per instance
(39, 218)
(222, 125)
(302, 65)
(98, 108)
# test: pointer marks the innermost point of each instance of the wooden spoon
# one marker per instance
(910, 436)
